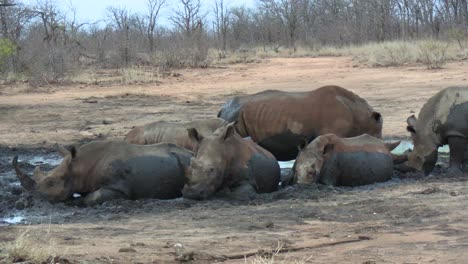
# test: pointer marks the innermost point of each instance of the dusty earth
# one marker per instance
(410, 219)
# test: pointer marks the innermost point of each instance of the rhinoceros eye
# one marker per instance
(50, 183)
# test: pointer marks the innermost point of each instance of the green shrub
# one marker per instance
(7, 49)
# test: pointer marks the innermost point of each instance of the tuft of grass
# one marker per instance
(137, 75)
(275, 258)
(25, 248)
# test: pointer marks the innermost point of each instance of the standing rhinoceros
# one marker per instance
(225, 160)
(332, 160)
(442, 120)
(171, 132)
(231, 108)
(102, 171)
(281, 123)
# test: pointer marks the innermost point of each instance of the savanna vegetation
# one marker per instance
(43, 44)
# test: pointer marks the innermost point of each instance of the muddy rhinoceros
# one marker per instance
(332, 160)
(171, 132)
(224, 160)
(102, 171)
(231, 108)
(442, 120)
(281, 123)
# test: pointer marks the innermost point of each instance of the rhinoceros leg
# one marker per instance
(102, 195)
(457, 147)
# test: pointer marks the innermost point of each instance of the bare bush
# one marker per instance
(433, 54)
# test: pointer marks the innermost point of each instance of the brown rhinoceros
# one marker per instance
(102, 171)
(442, 120)
(332, 160)
(224, 160)
(171, 132)
(231, 108)
(281, 123)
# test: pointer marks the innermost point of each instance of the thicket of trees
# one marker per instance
(40, 40)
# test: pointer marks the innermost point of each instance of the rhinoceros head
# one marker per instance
(206, 172)
(424, 154)
(55, 185)
(310, 160)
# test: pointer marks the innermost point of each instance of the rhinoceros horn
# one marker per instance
(27, 183)
(392, 146)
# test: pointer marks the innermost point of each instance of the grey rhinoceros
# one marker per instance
(332, 160)
(172, 132)
(223, 160)
(105, 170)
(442, 120)
(282, 122)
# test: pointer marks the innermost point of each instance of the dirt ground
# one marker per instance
(410, 219)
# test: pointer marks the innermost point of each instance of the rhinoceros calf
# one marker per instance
(102, 171)
(223, 160)
(170, 132)
(442, 120)
(231, 108)
(282, 122)
(332, 160)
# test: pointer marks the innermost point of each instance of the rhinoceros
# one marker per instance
(442, 120)
(282, 122)
(105, 170)
(224, 160)
(231, 108)
(332, 160)
(171, 132)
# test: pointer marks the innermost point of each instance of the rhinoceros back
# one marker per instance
(148, 176)
(264, 173)
(356, 168)
(452, 113)
(230, 110)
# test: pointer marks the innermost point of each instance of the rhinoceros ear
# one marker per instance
(194, 135)
(302, 144)
(73, 151)
(328, 148)
(412, 120)
(230, 131)
(61, 150)
(376, 116)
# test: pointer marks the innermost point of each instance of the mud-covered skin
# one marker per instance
(231, 108)
(280, 122)
(172, 132)
(442, 120)
(356, 168)
(102, 171)
(223, 160)
(332, 160)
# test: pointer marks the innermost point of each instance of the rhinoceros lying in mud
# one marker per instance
(231, 108)
(169, 132)
(102, 171)
(223, 160)
(442, 120)
(332, 160)
(282, 122)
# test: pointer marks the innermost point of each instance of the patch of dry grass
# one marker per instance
(275, 258)
(431, 53)
(28, 246)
